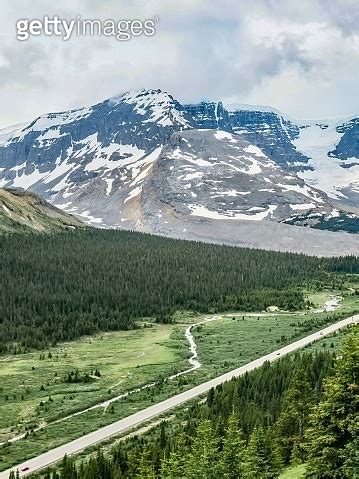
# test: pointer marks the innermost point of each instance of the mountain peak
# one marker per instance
(161, 106)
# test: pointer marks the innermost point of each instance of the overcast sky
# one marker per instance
(301, 57)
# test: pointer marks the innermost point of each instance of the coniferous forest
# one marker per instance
(55, 288)
(302, 408)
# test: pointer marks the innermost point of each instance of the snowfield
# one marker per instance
(316, 140)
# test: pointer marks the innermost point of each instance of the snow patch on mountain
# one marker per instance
(302, 189)
(89, 219)
(232, 107)
(255, 150)
(50, 124)
(224, 135)
(200, 210)
(7, 133)
(26, 180)
(135, 192)
(304, 206)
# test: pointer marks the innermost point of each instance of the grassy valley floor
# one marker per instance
(35, 391)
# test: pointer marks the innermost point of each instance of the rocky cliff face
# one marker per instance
(266, 128)
(348, 146)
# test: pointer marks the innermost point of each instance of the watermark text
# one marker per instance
(122, 30)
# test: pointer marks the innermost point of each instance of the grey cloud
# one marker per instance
(202, 49)
(20, 65)
(343, 14)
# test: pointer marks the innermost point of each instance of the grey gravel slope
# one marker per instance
(266, 235)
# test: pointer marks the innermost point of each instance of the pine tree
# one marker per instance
(334, 432)
(261, 461)
(68, 469)
(92, 470)
(120, 458)
(145, 468)
(175, 465)
(202, 461)
(133, 459)
(232, 454)
(292, 422)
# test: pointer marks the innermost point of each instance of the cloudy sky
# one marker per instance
(301, 57)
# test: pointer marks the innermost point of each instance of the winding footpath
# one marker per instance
(104, 433)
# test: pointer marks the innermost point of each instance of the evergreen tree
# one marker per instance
(145, 468)
(202, 461)
(68, 469)
(232, 454)
(334, 432)
(261, 461)
(92, 471)
(175, 466)
(133, 458)
(292, 422)
(120, 459)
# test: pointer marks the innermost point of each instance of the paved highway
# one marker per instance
(54, 455)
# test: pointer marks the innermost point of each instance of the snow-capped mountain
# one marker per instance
(135, 159)
(77, 158)
(325, 153)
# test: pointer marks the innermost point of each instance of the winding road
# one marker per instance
(95, 437)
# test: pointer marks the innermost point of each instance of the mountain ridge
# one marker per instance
(22, 211)
(97, 161)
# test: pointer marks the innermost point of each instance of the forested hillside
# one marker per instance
(302, 408)
(55, 288)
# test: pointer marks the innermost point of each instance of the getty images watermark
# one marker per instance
(55, 26)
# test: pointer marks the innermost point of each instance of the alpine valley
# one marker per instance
(235, 174)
